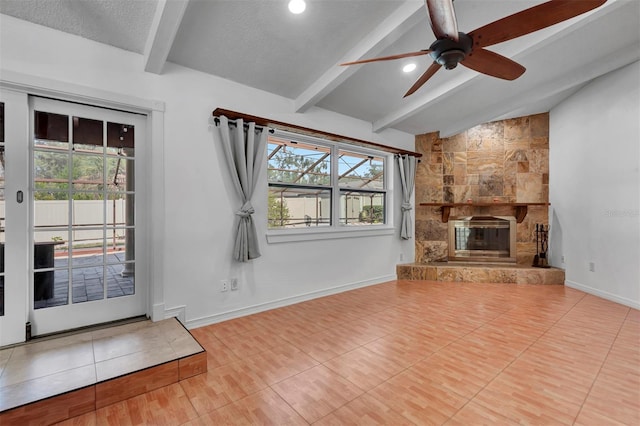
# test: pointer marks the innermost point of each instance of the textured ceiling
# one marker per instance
(280, 52)
(260, 44)
(123, 24)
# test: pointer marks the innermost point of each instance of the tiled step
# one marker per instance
(479, 273)
(139, 357)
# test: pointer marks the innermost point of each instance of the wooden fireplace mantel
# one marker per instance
(519, 208)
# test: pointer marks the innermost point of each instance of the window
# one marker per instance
(322, 184)
(361, 182)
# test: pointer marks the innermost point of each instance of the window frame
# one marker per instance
(335, 229)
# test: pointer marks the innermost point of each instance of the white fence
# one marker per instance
(86, 216)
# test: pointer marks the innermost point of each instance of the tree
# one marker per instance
(52, 174)
(372, 214)
(298, 165)
(278, 214)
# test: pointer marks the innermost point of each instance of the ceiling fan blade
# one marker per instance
(389, 58)
(493, 64)
(423, 79)
(442, 18)
(531, 20)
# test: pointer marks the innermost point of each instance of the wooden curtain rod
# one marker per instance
(233, 115)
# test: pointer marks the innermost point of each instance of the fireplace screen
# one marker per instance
(482, 238)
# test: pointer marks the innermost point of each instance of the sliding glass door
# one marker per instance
(70, 238)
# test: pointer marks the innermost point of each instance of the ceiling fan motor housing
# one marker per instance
(449, 53)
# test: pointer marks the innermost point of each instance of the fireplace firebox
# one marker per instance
(482, 239)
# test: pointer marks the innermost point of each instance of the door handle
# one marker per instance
(19, 197)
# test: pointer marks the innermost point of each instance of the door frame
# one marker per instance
(154, 216)
(16, 283)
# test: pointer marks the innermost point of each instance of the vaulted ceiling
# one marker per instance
(261, 44)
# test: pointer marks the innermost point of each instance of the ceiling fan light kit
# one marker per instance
(452, 47)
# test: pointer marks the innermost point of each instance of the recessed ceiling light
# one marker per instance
(297, 6)
(409, 67)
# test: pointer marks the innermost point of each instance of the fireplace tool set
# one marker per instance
(542, 244)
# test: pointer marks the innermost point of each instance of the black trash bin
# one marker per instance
(43, 257)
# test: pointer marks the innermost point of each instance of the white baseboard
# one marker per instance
(157, 312)
(604, 294)
(179, 312)
(237, 313)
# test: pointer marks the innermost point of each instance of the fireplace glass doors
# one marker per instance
(482, 239)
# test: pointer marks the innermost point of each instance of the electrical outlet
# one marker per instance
(562, 259)
(401, 257)
(592, 266)
(234, 284)
(224, 285)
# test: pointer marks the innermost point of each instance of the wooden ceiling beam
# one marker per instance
(391, 29)
(164, 27)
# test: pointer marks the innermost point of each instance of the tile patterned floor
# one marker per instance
(42, 369)
(410, 352)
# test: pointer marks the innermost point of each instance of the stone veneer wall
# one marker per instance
(502, 161)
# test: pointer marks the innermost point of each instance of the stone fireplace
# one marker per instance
(480, 171)
(482, 239)
(492, 170)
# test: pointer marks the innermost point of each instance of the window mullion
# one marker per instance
(335, 187)
(104, 194)
(70, 230)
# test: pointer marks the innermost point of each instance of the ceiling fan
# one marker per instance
(452, 47)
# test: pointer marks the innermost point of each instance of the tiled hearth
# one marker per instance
(480, 273)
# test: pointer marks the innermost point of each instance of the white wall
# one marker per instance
(594, 186)
(198, 237)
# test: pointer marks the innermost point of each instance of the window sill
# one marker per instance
(294, 235)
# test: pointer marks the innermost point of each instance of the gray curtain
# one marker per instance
(244, 147)
(407, 167)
